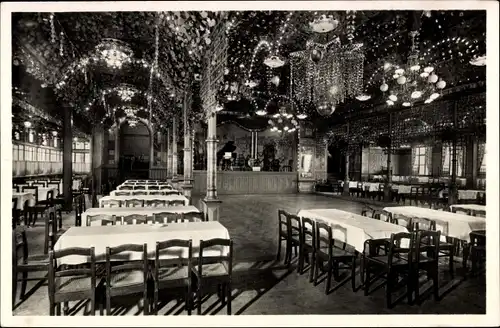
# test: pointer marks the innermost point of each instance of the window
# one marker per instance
(420, 161)
(447, 160)
(482, 165)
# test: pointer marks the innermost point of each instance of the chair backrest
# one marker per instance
(440, 226)
(58, 274)
(141, 187)
(427, 241)
(134, 219)
(418, 223)
(139, 193)
(19, 243)
(400, 243)
(15, 188)
(50, 195)
(153, 187)
(42, 184)
(156, 193)
(134, 203)
(78, 208)
(191, 217)
(104, 218)
(175, 202)
(55, 185)
(381, 187)
(126, 188)
(323, 236)
(221, 245)
(414, 190)
(111, 203)
(165, 217)
(171, 192)
(154, 203)
(478, 237)
(172, 253)
(294, 225)
(307, 230)
(33, 189)
(122, 193)
(283, 221)
(165, 187)
(117, 261)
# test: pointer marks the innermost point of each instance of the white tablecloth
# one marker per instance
(147, 197)
(42, 192)
(22, 197)
(353, 229)
(402, 189)
(101, 237)
(146, 186)
(113, 193)
(458, 225)
(469, 194)
(124, 211)
(470, 209)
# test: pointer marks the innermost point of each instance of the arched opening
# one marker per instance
(134, 149)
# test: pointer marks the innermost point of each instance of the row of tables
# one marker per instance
(101, 237)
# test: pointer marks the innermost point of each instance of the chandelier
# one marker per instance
(324, 24)
(114, 52)
(126, 93)
(283, 122)
(327, 74)
(274, 62)
(412, 82)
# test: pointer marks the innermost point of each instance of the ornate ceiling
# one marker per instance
(55, 63)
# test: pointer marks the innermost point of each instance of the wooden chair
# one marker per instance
(191, 217)
(111, 203)
(105, 219)
(414, 194)
(153, 187)
(306, 246)
(397, 262)
(426, 241)
(421, 224)
(294, 232)
(165, 187)
(72, 282)
(165, 217)
(134, 219)
(476, 250)
(327, 251)
(174, 271)
(25, 263)
(210, 270)
(140, 188)
(175, 202)
(139, 193)
(40, 184)
(447, 245)
(122, 193)
(127, 188)
(157, 193)
(154, 203)
(171, 192)
(283, 234)
(125, 277)
(134, 203)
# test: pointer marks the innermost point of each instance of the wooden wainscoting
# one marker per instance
(243, 182)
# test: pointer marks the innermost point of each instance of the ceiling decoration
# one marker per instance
(161, 54)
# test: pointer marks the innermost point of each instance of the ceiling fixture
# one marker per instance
(27, 124)
(283, 122)
(478, 61)
(114, 52)
(363, 97)
(301, 116)
(324, 24)
(261, 112)
(251, 84)
(126, 93)
(412, 83)
(274, 62)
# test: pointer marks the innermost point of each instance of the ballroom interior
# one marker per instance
(248, 162)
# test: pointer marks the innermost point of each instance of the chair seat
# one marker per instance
(173, 273)
(73, 284)
(384, 259)
(336, 252)
(212, 270)
(127, 278)
(34, 262)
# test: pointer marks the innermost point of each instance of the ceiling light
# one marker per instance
(416, 94)
(399, 71)
(274, 62)
(406, 104)
(27, 124)
(428, 101)
(301, 116)
(428, 69)
(390, 102)
(363, 97)
(478, 61)
(424, 74)
(324, 24)
(218, 108)
(261, 112)
(415, 67)
(393, 98)
(435, 95)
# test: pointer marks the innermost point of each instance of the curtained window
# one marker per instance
(420, 160)
(447, 160)
(482, 157)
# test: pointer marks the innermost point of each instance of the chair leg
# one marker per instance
(46, 241)
(66, 308)
(316, 270)
(188, 300)
(199, 296)
(353, 272)
(312, 267)
(301, 260)
(388, 289)
(451, 262)
(367, 276)
(14, 288)
(146, 303)
(329, 276)
(229, 297)
(108, 303)
(435, 283)
(278, 255)
(23, 284)
(58, 309)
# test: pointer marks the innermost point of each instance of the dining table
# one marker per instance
(144, 198)
(148, 211)
(469, 209)
(101, 237)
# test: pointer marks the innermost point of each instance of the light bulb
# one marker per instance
(415, 67)
(393, 98)
(390, 102)
(406, 104)
(424, 74)
(428, 69)
(416, 94)
(428, 101)
(399, 71)
(435, 95)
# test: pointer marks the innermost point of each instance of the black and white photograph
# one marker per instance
(211, 160)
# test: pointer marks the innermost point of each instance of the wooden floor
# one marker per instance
(263, 285)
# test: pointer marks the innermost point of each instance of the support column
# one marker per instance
(169, 154)
(151, 150)
(174, 150)
(67, 158)
(453, 190)
(388, 184)
(211, 202)
(347, 155)
(117, 144)
(471, 163)
(188, 155)
(162, 149)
